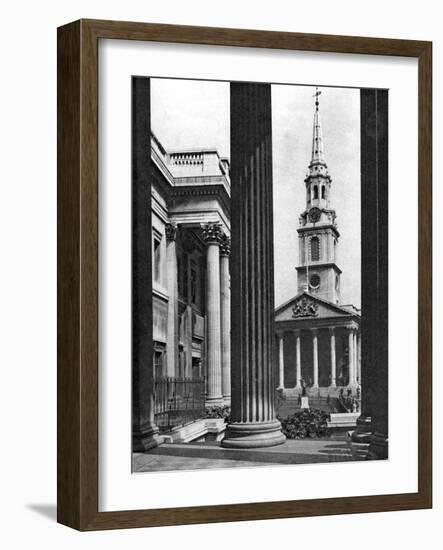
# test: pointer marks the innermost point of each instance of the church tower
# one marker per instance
(318, 273)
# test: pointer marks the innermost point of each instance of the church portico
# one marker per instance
(317, 356)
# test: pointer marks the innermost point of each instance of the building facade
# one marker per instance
(318, 338)
(190, 268)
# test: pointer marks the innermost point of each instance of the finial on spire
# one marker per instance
(317, 93)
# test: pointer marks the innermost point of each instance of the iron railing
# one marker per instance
(178, 401)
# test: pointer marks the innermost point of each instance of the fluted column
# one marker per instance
(355, 358)
(172, 330)
(281, 362)
(212, 235)
(315, 356)
(333, 362)
(144, 431)
(359, 357)
(225, 286)
(297, 359)
(351, 357)
(372, 426)
(253, 423)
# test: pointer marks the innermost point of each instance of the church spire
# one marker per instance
(318, 154)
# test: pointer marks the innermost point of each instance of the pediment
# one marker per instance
(305, 307)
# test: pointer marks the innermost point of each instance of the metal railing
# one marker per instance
(178, 401)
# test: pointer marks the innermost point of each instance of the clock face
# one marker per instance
(314, 214)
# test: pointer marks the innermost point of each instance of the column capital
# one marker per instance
(332, 331)
(314, 331)
(171, 231)
(225, 245)
(212, 233)
(351, 328)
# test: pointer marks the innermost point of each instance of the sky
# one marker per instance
(187, 114)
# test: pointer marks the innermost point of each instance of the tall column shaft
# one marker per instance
(212, 236)
(281, 362)
(372, 426)
(253, 423)
(225, 285)
(144, 431)
(333, 361)
(355, 358)
(172, 329)
(351, 356)
(297, 359)
(315, 357)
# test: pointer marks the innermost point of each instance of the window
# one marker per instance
(315, 192)
(322, 191)
(157, 259)
(158, 364)
(315, 249)
(314, 281)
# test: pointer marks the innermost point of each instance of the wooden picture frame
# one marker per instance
(78, 274)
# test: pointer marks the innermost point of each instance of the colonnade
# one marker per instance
(354, 354)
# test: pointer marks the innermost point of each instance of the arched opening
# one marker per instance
(315, 192)
(315, 249)
(322, 191)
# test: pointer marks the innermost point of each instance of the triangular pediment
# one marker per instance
(305, 306)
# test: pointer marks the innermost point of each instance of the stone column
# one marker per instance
(355, 358)
(351, 357)
(281, 362)
(359, 357)
(372, 426)
(298, 359)
(144, 431)
(315, 356)
(253, 421)
(333, 363)
(172, 330)
(212, 235)
(225, 285)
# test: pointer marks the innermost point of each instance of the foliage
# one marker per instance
(306, 423)
(219, 412)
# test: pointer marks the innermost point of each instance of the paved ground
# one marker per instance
(194, 456)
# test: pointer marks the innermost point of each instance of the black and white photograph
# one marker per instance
(254, 314)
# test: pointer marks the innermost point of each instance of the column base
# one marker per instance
(214, 401)
(378, 447)
(227, 400)
(332, 386)
(250, 435)
(146, 439)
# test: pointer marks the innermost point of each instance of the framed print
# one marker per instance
(242, 218)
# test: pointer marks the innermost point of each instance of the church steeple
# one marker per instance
(318, 154)
(318, 272)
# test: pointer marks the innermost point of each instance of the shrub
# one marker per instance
(306, 423)
(219, 412)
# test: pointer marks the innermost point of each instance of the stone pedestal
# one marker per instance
(253, 423)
